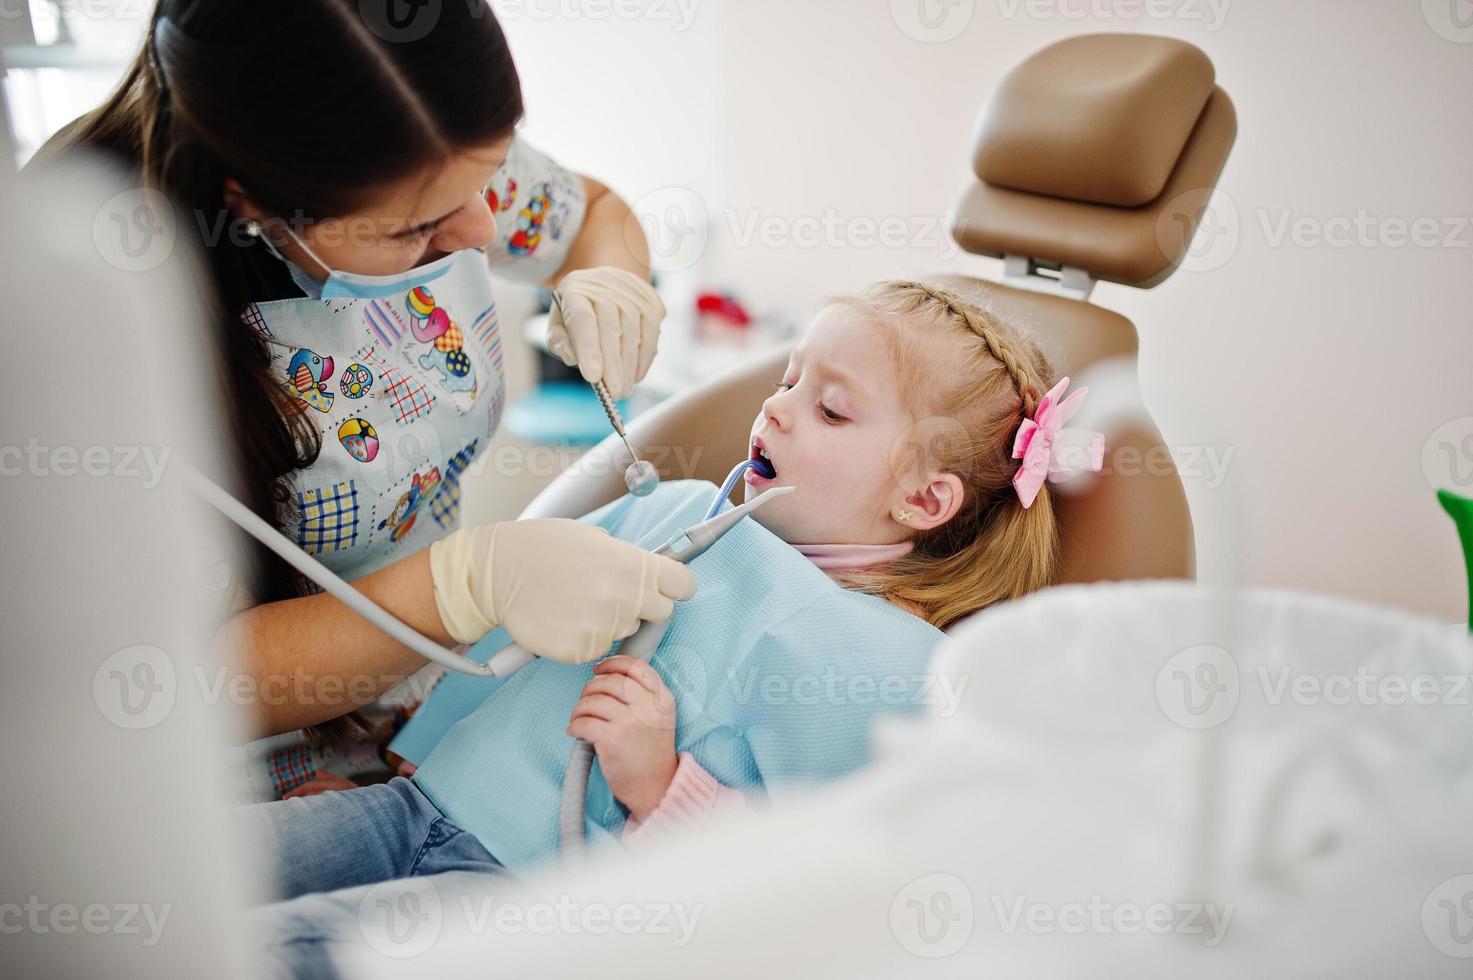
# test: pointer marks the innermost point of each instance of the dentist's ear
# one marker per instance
(240, 203)
(933, 504)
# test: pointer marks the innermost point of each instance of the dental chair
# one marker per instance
(1094, 160)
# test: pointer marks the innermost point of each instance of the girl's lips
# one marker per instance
(756, 479)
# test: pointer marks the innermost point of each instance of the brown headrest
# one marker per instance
(1100, 153)
(1100, 118)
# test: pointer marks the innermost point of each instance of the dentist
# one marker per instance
(354, 177)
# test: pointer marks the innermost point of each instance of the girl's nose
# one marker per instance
(776, 410)
(474, 226)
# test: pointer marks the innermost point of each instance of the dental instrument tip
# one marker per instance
(641, 478)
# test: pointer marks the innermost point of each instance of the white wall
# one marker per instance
(1324, 370)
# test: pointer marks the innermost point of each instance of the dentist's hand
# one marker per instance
(563, 590)
(612, 328)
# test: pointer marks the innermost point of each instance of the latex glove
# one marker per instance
(612, 328)
(563, 590)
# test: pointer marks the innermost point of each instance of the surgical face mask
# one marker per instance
(354, 285)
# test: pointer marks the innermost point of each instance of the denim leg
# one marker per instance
(388, 923)
(357, 837)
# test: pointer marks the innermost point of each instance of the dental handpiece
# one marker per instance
(641, 477)
(685, 546)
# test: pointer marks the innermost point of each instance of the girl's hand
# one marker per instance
(629, 715)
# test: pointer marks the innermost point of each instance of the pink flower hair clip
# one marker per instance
(1051, 452)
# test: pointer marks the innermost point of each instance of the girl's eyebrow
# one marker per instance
(839, 374)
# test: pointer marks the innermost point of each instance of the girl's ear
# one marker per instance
(933, 504)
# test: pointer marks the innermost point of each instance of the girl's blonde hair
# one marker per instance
(968, 409)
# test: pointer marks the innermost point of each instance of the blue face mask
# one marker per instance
(353, 285)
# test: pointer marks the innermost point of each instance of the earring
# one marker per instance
(903, 515)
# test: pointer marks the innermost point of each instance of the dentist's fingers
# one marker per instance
(629, 340)
(656, 607)
(649, 343)
(673, 579)
(581, 319)
(610, 347)
(558, 341)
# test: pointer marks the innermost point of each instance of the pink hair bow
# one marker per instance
(1051, 452)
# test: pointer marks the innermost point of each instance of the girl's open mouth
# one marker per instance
(762, 469)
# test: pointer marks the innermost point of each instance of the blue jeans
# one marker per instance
(326, 853)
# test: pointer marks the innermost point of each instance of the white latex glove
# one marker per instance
(613, 326)
(562, 589)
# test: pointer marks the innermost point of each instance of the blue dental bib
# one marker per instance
(777, 672)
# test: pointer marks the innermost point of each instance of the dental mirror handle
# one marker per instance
(602, 391)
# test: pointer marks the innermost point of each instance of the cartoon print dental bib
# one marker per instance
(404, 390)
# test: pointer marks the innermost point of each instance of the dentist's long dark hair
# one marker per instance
(309, 104)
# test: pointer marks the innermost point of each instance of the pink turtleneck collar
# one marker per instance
(847, 557)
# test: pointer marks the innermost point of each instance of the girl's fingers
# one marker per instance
(616, 686)
(634, 668)
(589, 729)
(599, 706)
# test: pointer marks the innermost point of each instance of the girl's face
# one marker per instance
(831, 429)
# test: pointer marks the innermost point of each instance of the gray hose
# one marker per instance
(571, 813)
(575, 798)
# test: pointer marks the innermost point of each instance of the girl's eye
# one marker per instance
(783, 386)
(829, 414)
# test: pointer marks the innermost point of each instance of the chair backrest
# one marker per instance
(1094, 160)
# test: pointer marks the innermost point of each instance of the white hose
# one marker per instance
(333, 584)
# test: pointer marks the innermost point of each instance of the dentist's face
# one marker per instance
(407, 223)
(830, 430)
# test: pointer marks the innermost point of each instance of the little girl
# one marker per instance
(915, 428)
